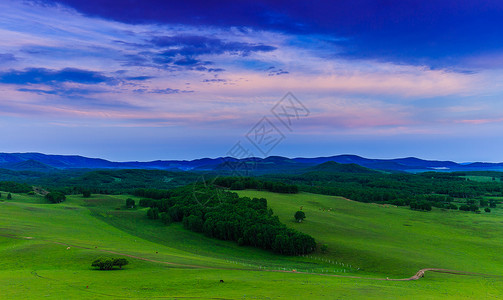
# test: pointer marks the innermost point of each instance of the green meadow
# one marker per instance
(47, 249)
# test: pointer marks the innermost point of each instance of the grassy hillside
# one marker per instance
(172, 262)
(395, 240)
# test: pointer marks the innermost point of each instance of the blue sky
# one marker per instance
(146, 80)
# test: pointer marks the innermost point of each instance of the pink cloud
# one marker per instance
(480, 121)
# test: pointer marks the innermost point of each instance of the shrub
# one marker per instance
(107, 263)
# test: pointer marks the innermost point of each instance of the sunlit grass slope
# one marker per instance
(395, 240)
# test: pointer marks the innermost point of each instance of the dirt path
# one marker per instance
(416, 276)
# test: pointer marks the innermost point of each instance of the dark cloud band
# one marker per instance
(48, 76)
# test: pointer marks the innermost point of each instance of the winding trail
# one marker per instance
(416, 276)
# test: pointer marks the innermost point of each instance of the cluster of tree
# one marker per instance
(76, 181)
(241, 183)
(437, 198)
(152, 193)
(108, 263)
(9, 196)
(126, 181)
(55, 197)
(487, 203)
(130, 203)
(162, 204)
(224, 215)
(153, 213)
(451, 206)
(469, 207)
(421, 205)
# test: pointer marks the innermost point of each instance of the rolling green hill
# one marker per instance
(394, 240)
(47, 250)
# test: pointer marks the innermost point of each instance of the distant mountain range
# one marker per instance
(47, 163)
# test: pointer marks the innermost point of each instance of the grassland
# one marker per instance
(174, 263)
(395, 240)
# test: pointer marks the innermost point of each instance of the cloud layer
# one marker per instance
(363, 69)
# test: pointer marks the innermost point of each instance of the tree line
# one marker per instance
(241, 183)
(419, 191)
(14, 187)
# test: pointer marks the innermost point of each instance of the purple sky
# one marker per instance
(146, 80)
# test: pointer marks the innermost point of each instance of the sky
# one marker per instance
(154, 79)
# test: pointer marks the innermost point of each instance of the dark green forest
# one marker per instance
(419, 191)
(224, 215)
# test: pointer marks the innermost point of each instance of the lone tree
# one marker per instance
(86, 193)
(299, 216)
(106, 263)
(9, 196)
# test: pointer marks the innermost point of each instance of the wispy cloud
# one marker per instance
(60, 64)
(47, 76)
(7, 57)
